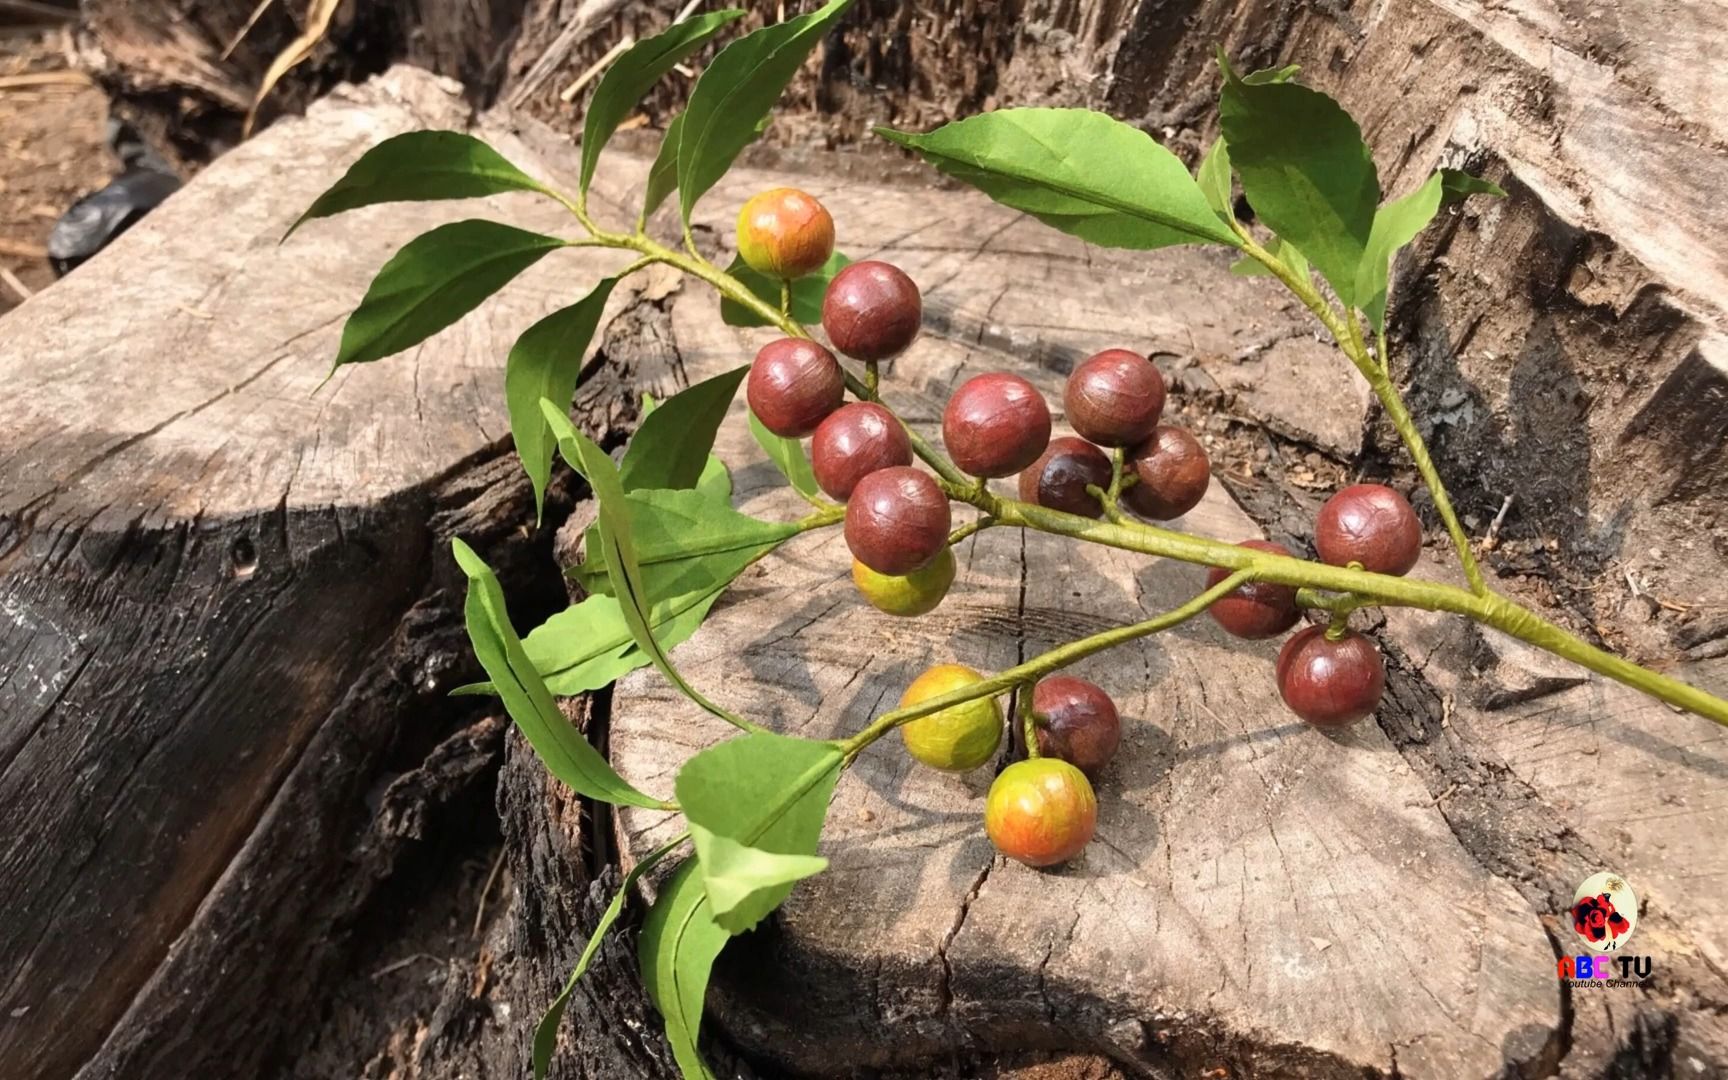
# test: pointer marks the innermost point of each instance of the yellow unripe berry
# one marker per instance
(785, 233)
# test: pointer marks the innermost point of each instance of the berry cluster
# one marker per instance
(996, 425)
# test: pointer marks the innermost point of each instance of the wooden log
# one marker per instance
(228, 609)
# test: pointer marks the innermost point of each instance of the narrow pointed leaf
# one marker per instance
(745, 883)
(620, 551)
(1076, 170)
(1395, 225)
(788, 456)
(670, 449)
(545, 363)
(663, 174)
(716, 481)
(417, 167)
(807, 292)
(736, 93)
(567, 755)
(1213, 177)
(546, 1032)
(1457, 185)
(1306, 171)
(680, 942)
(675, 527)
(435, 279)
(635, 73)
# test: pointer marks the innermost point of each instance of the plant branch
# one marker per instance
(1039, 666)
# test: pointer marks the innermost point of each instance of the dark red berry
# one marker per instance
(855, 441)
(1077, 722)
(1259, 609)
(1059, 477)
(897, 520)
(995, 425)
(1370, 524)
(1173, 474)
(871, 311)
(1330, 683)
(1114, 398)
(794, 384)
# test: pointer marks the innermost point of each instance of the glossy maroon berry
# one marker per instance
(1059, 477)
(1172, 472)
(995, 425)
(1077, 722)
(897, 520)
(1259, 609)
(1114, 398)
(1330, 683)
(871, 311)
(855, 441)
(794, 384)
(1370, 524)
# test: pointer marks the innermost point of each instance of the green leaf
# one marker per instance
(545, 363)
(435, 279)
(807, 292)
(619, 549)
(736, 93)
(663, 174)
(672, 527)
(1457, 185)
(1306, 171)
(1395, 225)
(716, 481)
(788, 456)
(635, 73)
(567, 755)
(763, 791)
(1272, 75)
(680, 942)
(1076, 170)
(670, 449)
(1213, 177)
(417, 167)
(546, 1032)
(745, 883)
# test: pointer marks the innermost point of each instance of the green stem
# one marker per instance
(976, 525)
(1348, 334)
(1039, 666)
(1028, 719)
(1490, 609)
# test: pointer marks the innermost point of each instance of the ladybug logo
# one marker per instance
(1604, 912)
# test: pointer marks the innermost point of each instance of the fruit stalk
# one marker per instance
(1031, 671)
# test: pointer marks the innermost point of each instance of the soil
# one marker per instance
(51, 152)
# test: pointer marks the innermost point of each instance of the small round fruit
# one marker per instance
(855, 441)
(1330, 684)
(1370, 524)
(1259, 609)
(1041, 811)
(871, 311)
(1058, 478)
(995, 425)
(1077, 722)
(897, 520)
(917, 593)
(1114, 398)
(960, 737)
(784, 233)
(794, 384)
(1173, 474)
